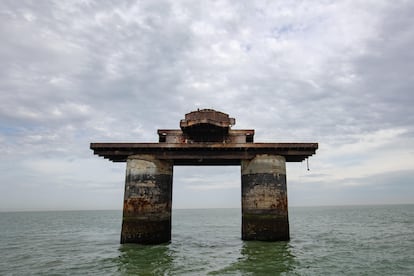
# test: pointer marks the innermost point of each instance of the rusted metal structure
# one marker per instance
(205, 138)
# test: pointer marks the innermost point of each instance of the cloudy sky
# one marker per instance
(340, 73)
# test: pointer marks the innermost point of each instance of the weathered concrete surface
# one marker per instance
(264, 199)
(147, 200)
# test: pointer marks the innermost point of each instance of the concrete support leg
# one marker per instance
(264, 199)
(147, 201)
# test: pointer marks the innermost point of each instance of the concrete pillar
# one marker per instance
(147, 201)
(264, 199)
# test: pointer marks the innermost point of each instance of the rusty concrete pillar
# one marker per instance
(264, 199)
(147, 200)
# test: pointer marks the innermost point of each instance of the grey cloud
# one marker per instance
(81, 71)
(388, 188)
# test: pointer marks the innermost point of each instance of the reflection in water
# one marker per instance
(262, 258)
(255, 258)
(144, 259)
(274, 257)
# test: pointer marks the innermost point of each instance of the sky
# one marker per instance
(340, 73)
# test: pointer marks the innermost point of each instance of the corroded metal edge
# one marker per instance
(204, 153)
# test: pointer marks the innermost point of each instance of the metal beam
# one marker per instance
(211, 153)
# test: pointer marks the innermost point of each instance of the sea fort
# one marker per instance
(205, 138)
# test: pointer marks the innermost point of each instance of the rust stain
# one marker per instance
(143, 206)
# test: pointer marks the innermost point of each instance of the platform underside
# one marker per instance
(204, 153)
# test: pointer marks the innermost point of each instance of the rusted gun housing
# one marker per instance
(206, 125)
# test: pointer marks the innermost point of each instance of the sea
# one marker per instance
(346, 240)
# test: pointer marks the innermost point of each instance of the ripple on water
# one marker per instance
(329, 240)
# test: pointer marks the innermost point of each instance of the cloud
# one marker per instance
(338, 73)
(208, 178)
(220, 186)
(382, 188)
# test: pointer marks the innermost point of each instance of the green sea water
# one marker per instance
(357, 240)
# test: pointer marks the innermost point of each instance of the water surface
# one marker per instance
(366, 240)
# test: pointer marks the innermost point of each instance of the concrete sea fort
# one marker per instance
(205, 138)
